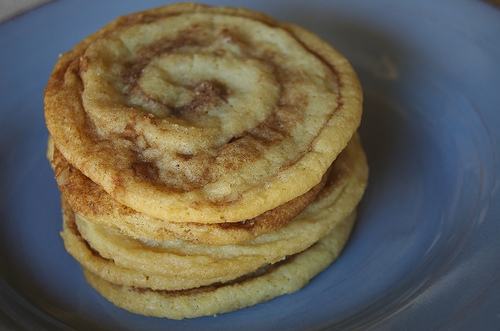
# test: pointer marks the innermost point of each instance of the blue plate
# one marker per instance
(425, 253)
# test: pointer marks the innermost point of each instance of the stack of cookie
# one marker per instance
(207, 158)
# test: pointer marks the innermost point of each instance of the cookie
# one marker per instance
(285, 277)
(190, 112)
(91, 202)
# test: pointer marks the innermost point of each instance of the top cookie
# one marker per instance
(191, 113)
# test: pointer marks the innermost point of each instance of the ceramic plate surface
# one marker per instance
(425, 253)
